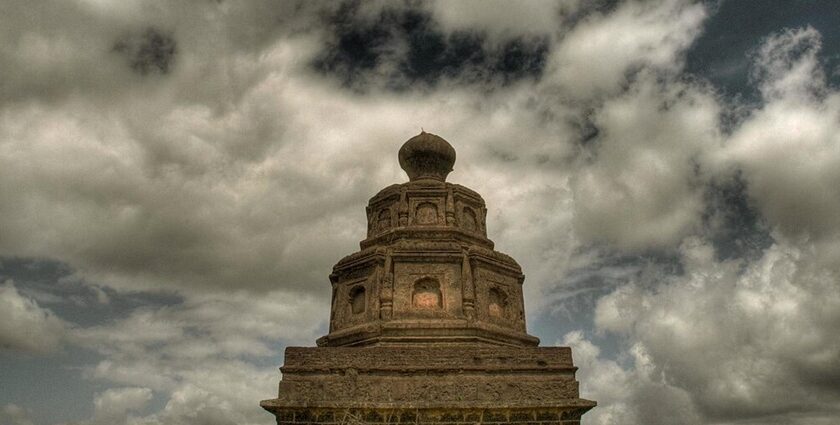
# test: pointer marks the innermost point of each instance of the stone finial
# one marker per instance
(427, 156)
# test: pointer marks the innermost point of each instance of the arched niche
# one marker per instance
(426, 213)
(426, 294)
(383, 221)
(497, 303)
(357, 300)
(469, 220)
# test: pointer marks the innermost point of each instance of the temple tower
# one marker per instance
(427, 323)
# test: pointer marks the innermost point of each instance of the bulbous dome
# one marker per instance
(427, 156)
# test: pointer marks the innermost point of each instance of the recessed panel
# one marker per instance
(499, 298)
(426, 290)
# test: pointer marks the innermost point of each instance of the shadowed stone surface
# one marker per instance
(427, 323)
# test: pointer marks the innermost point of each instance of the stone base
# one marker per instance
(465, 384)
(428, 416)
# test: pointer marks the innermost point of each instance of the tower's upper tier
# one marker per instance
(426, 203)
(427, 273)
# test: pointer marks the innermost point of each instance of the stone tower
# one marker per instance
(427, 322)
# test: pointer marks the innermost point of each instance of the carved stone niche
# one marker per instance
(426, 294)
(469, 210)
(426, 290)
(354, 302)
(358, 299)
(469, 219)
(383, 220)
(498, 298)
(426, 211)
(382, 216)
(497, 303)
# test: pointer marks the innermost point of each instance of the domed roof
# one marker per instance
(427, 156)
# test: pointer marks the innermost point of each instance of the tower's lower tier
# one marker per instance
(428, 384)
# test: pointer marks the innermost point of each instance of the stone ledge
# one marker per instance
(446, 358)
(467, 416)
(450, 331)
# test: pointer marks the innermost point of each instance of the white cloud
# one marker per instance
(643, 188)
(13, 414)
(114, 404)
(24, 325)
(789, 149)
(787, 65)
(201, 355)
(595, 58)
(740, 343)
(223, 325)
(634, 395)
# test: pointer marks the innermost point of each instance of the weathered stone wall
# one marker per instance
(432, 377)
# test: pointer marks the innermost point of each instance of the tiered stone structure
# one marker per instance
(427, 322)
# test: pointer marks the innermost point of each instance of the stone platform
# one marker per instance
(418, 385)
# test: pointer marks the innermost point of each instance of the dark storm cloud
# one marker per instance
(732, 222)
(406, 45)
(151, 51)
(54, 284)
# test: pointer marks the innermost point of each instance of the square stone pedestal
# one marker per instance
(428, 385)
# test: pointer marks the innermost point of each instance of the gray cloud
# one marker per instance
(540, 17)
(15, 415)
(211, 357)
(644, 189)
(26, 326)
(112, 405)
(740, 344)
(148, 52)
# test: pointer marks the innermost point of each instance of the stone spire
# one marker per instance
(427, 322)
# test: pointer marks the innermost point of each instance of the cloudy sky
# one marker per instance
(178, 178)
